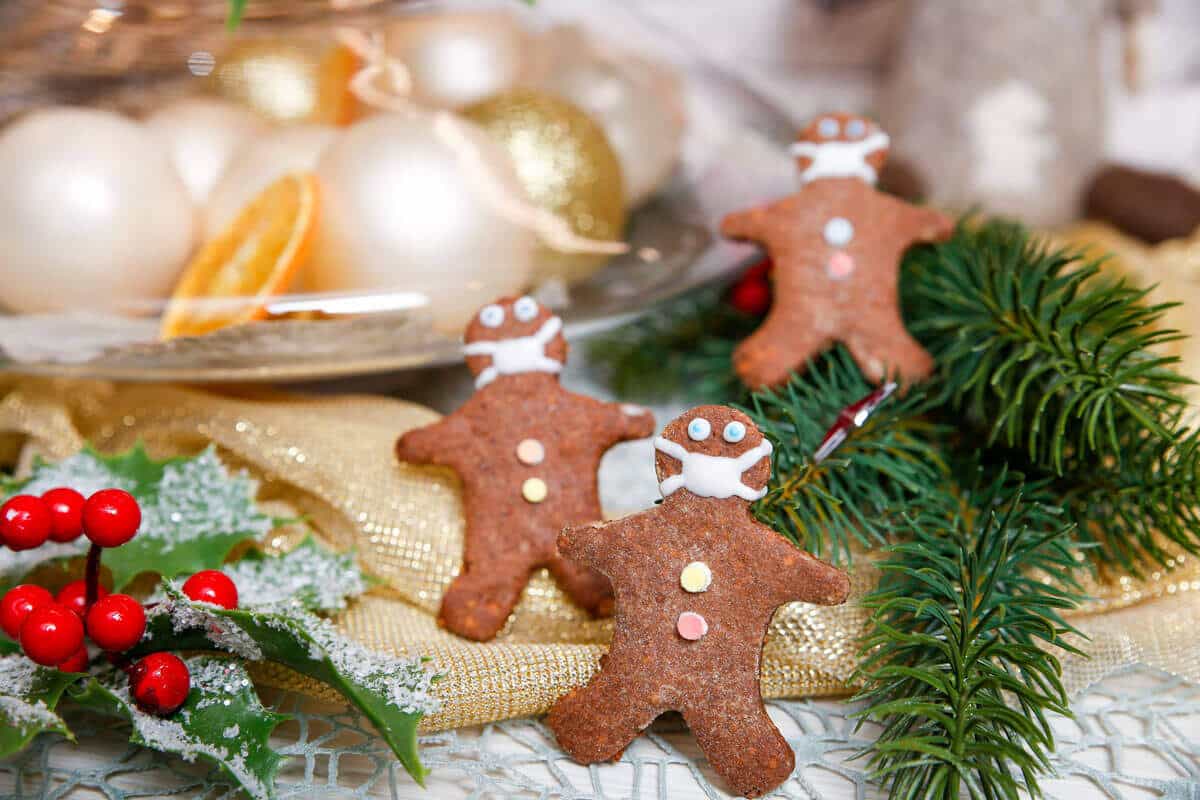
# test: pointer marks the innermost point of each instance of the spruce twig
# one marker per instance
(956, 668)
(855, 494)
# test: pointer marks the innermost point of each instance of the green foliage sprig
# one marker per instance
(888, 463)
(956, 668)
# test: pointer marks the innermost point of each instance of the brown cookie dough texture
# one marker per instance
(697, 580)
(836, 245)
(527, 452)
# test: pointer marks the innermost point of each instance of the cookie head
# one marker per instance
(839, 145)
(513, 335)
(713, 451)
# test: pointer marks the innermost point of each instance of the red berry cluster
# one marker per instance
(752, 292)
(51, 629)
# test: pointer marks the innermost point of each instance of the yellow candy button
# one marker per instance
(696, 577)
(534, 490)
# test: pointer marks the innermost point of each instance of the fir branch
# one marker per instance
(957, 668)
(682, 350)
(1033, 347)
(855, 494)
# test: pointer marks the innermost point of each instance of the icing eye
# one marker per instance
(734, 432)
(492, 316)
(525, 309)
(699, 429)
(856, 129)
(839, 232)
(828, 128)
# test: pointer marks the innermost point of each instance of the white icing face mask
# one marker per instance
(840, 159)
(712, 476)
(517, 355)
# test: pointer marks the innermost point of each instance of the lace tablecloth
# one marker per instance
(1135, 735)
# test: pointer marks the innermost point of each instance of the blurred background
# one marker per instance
(269, 190)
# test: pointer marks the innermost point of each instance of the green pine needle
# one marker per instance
(956, 668)
(1035, 349)
(855, 494)
(237, 9)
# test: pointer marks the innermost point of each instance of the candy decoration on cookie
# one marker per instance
(693, 604)
(835, 246)
(527, 451)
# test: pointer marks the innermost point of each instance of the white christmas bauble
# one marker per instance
(202, 136)
(638, 105)
(402, 211)
(296, 148)
(92, 215)
(458, 58)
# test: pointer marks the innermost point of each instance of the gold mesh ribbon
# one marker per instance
(331, 459)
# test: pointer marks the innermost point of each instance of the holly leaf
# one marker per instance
(194, 512)
(318, 578)
(28, 696)
(394, 693)
(223, 722)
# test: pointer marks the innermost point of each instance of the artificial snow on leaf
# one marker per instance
(317, 578)
(394, 693)
(222, 721)
(194, 512)
(28, 696)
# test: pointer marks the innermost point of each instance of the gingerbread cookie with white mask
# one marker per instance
(836, 245)
(527, 451)
(697, 580)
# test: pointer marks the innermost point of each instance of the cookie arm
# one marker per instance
(746, 225)
(439, 443)
(929, 224)
(590, 544)
(797, 575)
(628, 421)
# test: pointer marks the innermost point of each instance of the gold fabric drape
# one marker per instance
(331, 459)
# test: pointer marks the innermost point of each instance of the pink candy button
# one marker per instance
(841, 266)
(691, 626)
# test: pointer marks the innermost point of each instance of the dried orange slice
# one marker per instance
(233, 277)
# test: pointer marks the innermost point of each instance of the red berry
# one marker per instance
(116, 622)
(25, 522)
(212, 586)
(17, 603)
(51, 634)
(66, 507)
(111, 517)
(74, 596)
(751, 297)
(759, 271)
(77, 662)
(160, 683)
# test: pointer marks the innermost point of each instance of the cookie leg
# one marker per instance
(772, 353)
(477, 604)
(597, 721)
(887, 350)
(587, 587)
(741, 742)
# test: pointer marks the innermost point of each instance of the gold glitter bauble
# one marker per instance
(289, 80)
(567, 167)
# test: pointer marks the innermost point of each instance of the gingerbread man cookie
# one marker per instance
(527, 451)
(697, 580)
(836, 245)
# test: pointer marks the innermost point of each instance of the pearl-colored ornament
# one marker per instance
(295, 148)
(640, 107)
(202, 137)
(92, 214)
(566, 166)
(402, 211)
(455, 59)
